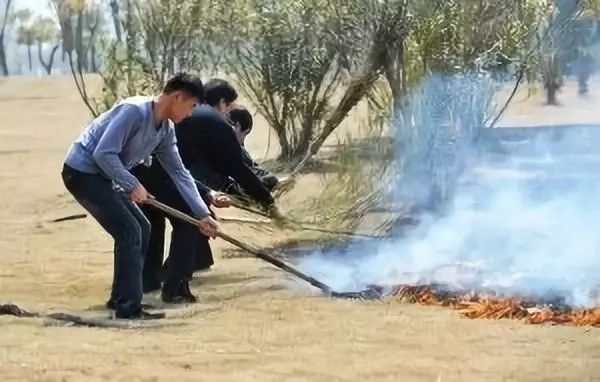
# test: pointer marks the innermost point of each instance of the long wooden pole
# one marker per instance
(246, 247)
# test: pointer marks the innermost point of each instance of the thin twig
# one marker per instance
(70, 217)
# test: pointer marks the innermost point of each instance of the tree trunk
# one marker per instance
(306, 136)
(130, 45)
(82, 64)
(551, 91)
(93, 28)
(552, 80)
(40, 56)
(584, 71)
(93, 58)
(29, 58)
(3, 64)
(395, 76)
(66, 29)
(284, 144)
(114, 8)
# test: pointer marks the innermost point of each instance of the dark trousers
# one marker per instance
(125, 222)
(189, 251)
(180, 261)
(188, 246)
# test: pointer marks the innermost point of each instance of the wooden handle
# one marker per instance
(246, 247)
(172, 211)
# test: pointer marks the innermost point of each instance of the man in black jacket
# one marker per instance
(210, 151)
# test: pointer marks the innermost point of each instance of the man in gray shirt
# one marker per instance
(96, 172)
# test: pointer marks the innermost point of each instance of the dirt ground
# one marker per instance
(252, 322)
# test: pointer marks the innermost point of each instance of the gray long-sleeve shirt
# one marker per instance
(126, 135)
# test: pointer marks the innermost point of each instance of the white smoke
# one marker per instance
(525, 222)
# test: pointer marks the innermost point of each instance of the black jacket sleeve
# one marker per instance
(248, 159)
(203, 189)
(259, 171)
(230, 161)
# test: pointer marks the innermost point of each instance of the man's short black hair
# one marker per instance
(216, 90)
(241, 115)
(187, 83)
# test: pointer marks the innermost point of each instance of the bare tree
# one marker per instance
(46, 32)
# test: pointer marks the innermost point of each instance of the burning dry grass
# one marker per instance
(480, 305)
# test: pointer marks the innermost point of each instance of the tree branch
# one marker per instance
(81, 87)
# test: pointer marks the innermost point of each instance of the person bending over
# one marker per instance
(96, 172)
(242, 122)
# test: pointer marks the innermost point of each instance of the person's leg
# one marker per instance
(127, 225)
(180, 260)
(153, 178)
(145, 230)
(180, 263)
(153, 263)
(204, 257)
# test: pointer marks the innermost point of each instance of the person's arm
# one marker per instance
(208, 194)
(168, 155)
(112, 142)
(247, 158)
(230, 160)
(203, 189)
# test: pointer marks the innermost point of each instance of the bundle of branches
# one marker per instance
(488, 305)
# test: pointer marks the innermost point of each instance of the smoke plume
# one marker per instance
(518, 209)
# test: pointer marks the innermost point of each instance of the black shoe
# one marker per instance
(177, 293)
(140, 314)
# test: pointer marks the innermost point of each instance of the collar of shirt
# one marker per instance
(159, 125)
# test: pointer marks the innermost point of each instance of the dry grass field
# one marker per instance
(252, 323)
